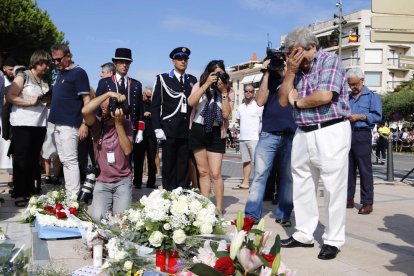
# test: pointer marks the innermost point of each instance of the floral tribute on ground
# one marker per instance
(53, 209)
(163, 222)
(246, 255)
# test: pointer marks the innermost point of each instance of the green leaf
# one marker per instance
(276, 246)
(240, 221)
(264, 261)
(276, 264)
(221, 254)
(205, 270)
(256, 231)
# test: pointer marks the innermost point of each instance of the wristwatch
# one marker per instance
(363, 117)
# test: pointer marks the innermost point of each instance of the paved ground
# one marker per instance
(378, 244)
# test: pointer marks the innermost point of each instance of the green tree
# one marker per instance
(401, 101)
(24, 28)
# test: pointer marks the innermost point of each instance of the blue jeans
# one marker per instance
(115, 197)
(269, 147)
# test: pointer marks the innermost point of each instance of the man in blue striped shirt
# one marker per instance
(366, 110)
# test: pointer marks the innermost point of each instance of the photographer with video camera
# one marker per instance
(212, 100)
(275, 142)
(112, 140)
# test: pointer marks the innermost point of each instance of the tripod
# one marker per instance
(405, 176)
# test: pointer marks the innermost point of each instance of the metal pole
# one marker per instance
(390, 162)
(340, 30)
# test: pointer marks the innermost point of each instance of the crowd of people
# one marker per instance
(303, 126)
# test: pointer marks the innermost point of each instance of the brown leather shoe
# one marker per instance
(350, 204)
(366, 209)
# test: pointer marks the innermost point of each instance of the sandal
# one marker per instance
(239, 187)
(21, 202)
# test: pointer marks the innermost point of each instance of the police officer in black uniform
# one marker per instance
(121, 83)
(170, 119)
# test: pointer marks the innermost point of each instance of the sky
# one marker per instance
(231, 30)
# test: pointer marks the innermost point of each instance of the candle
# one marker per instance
(97, 255)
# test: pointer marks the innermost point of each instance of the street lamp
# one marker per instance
(341, 21)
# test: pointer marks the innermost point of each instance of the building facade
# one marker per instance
(379, 61)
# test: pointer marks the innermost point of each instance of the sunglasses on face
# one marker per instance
(248, 91)
(58, 60)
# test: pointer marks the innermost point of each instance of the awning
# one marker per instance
(252, 78)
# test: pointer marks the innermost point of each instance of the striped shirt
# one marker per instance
(326, 73)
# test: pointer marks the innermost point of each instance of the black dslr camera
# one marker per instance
(223, 76)
(114, 104)
(277, 59)
(86, 191)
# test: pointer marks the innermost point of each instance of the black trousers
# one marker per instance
(175, 154)
(360, 157)
(28, 142)
(382, 145)
(85, 149)
(148, 146)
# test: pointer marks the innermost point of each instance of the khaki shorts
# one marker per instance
(247, 148)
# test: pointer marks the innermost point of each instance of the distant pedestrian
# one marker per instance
(249, 118)
(366, 111)
(382, 143)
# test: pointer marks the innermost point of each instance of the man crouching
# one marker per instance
(112, 141)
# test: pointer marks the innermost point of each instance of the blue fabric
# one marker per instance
(268, 147)
(368, 103)
(275, 117)
(67, 99)
(53, 232)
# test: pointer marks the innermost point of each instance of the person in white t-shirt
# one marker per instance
(249, 118)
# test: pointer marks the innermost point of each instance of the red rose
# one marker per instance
(225, 265)
(48, 208)
(61, 215)
(269, 258)
(59, 206)
(53, 211)
(248, 223)
(228, 247)
(73, 211)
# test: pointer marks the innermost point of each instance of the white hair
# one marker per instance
(301, 37)
(355, 72)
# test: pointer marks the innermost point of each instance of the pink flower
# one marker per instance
(265, 271)
(236, 243)
(248, 259)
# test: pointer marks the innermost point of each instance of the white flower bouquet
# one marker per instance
(52, 209)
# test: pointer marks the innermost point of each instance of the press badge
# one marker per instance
(111, 158)
(183, 108)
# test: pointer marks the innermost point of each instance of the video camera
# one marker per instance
(277, 57)
(114, 104)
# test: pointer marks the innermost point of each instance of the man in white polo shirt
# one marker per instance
(249, 118)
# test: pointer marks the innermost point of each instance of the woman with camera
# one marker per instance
(28, 94)
(212, 100)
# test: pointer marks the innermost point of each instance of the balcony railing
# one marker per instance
(391, 85)
(352, 61)
(392, 61)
